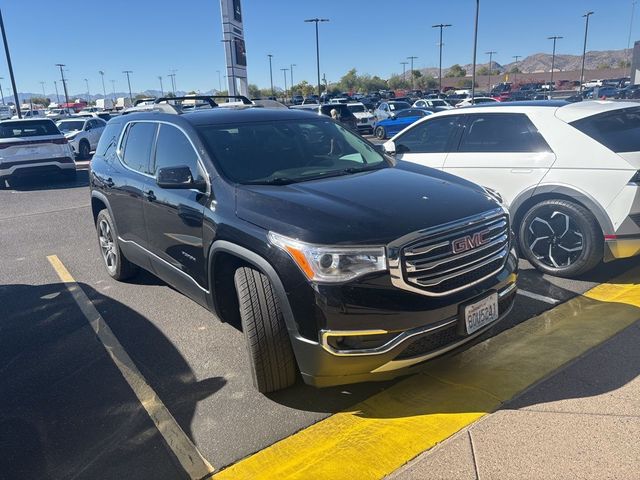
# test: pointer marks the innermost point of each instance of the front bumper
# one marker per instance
(412, 330)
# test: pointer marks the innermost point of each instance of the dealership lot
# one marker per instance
(73, 407)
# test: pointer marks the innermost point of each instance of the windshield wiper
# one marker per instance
(273, 181)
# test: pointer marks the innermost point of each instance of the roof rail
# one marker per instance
(143, 100)
(206, 98)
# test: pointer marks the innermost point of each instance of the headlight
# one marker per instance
(328, 264)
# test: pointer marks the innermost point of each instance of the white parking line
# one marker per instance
(196, 466)
(535, 296)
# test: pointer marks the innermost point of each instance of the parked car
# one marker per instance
(6, 112)
(83, 134)
(33, 146)
(297, 99)
(467, 102)
(435, 105)
(604, 92)
(344, 115)
(35, 113)
(106, 116)
(568, 171)
(387, 109)
(365, 118)
(59, 113)
(287, 224)
(631, 91)
(390, 126)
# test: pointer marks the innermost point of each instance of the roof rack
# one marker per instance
(207, 98)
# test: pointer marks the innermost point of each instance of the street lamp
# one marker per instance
(88, 94)
(104, 90)
(233, 73)
(475, 48)
(553, 60)
(64, 84)
(113, 89)
(292, 65)
(412, 76)
(55, 84)
(316, 21)
(13, 80)
(161, 87)
(441, 26)
(584, 49)
(172, 76)
(404, 70)
(284, 72)
(43, 92)
(127, 73)
(515, 73)
(271, 74)
(491, 54)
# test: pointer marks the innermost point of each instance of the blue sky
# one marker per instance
(151, 37)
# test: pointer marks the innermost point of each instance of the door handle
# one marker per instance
(149, 195)
(521, 170)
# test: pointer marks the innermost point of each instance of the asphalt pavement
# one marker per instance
(66, 412)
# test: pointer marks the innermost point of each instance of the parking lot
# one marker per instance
(67, 411)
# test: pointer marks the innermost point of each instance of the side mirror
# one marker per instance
(392, 116)
(389, 147)
(178, 178)
(87, 128)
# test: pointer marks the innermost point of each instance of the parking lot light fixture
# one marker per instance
(475, 49)
(127, 73)
(291, 72)
(64, 84)
(284, 72)
(316, 21)
(273, 93)
(404, 70)
(553, 60)
(172, 76)
(413, 78)
(515, 73)
(86, 81)
(584, 48)
(491, 54)
(441, 26)
(42, 85)
(55, 84)
(161, 86)
(10, 66)
(104, 90)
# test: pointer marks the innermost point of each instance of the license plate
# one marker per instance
(481, 313)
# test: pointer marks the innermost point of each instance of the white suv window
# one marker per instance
(501, 132)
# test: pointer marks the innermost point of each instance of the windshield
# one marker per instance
(398, 106)
(438, 103)
(357, 108)
(71, 126)
(288, 151)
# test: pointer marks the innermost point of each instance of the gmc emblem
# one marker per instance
(470, 242)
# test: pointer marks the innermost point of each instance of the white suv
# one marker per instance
(569, 173)
(365, 118)
(83, 134)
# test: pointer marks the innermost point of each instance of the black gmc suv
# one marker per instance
(338, 262)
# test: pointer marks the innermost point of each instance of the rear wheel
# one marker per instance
(273, 365)
(380, 133)
(117, 265)
(561, 238)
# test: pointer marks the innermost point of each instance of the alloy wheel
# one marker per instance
(555, 239)
(107, 245)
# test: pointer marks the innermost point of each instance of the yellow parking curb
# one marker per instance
(387, 430)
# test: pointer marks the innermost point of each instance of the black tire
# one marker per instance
(273, 365)
(117, 265)
(380, 133)
(561, 238)
(84, 150)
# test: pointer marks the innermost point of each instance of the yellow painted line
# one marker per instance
(387, 430)
(195, 465)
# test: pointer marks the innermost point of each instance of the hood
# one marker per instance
(362, 114)
(371, 208)
(71, 133)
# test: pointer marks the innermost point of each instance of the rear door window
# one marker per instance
(501, 132)
(618, 130)
(138, 143)
(431, 136)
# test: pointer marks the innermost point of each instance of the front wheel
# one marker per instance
(380, 133)
(560, 238)
(84, 150)
(117, 265)
(273, 365)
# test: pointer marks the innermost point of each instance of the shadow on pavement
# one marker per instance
(48, 182)
(66, 410)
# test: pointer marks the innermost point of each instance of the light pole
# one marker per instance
(404, 70)
(633, 11)
(161, 87)
(88, 94)
(284, 72)
(412, 58)
(127, 73)
(233, 73)
(113, 89)
(1, 93)
(515, 73)
(316, 21)
(292, 65)
(43, 92)
(271, 74)
(104, 90)
(441, 26)
(584, 48)
(172, 76)
(219, 81)
(13, 80)
(491, 54)
(475, 49)
(55, 84)
(64, 84)
(553, 60)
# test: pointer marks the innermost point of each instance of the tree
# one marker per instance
(41, 101)
(483, 71)
(140, 96)
(515, 70)
(192, 92)
(456, 71)
(254, 91)
(303, 88)
(603, 66)
(169, 95)
(464, 83)
(396, 82)
(624, 64)
(349, 81)
(426, 82)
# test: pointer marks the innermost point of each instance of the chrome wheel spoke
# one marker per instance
(555, 239)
